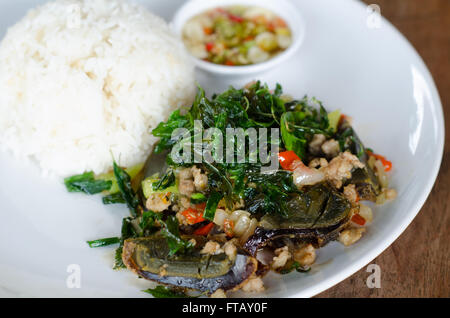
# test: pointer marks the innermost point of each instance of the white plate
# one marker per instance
(372, 74)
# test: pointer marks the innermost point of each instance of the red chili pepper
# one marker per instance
(386, 163)
(287, 158)
(229, 63)
(209, 46)
(201, 206)
(341, 119)
(235, 18)
(204, 230)
(358, 219)
(193, 216)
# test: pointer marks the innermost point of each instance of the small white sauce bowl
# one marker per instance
(283, 8)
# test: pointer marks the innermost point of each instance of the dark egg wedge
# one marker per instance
(316, 216)
(150, 259)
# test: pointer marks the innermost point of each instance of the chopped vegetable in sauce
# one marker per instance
(237, 35)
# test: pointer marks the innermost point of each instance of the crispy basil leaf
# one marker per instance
(171, 232)
(164, 292)
(104, 242)
(211, 205)
(115, 198)
(128, 194)
(165, 182)
(86, 183)
(127, 231)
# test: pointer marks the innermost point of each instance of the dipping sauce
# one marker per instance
(236, 35)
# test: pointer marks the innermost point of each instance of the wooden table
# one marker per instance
(418, 263)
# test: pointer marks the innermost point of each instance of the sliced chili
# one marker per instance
(209, 46)
(287, 158)
(193, 216)
(386, 163)
(235, 18)
(200, 206)
(358, 219)
(204, 230)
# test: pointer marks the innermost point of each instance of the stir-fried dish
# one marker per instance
(236, 35)
(216, 226)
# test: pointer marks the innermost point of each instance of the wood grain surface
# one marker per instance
(418, 263)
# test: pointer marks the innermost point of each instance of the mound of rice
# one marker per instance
(82, 81)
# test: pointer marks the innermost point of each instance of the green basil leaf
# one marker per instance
(128, 194)
(86, 183)
(104, 242)
(164, 292)
(211, 205)
(171, 232)
(115, 198)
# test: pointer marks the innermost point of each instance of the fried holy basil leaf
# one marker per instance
(128, 194)
(104, 242)
(115, 198)
(171, 232)
(349, 140)
(295, 265)
(269, 192)
(127, 231)
(211, 205)
(86, 183)
(166, 129)
(299, 126)
(147, 221)
(290, 140)
(165, 182)
(165, 292)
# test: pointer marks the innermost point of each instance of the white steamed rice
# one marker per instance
(82, 81)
